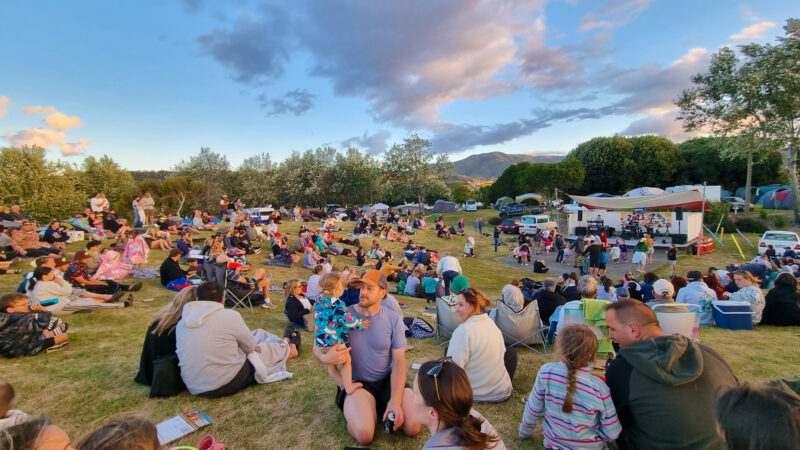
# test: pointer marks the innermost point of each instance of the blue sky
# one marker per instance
(149, 83)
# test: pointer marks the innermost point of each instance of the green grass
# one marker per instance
(91, 382)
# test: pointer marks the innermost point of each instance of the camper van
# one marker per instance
(471, 205)
(534, 223)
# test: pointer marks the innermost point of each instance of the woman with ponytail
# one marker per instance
(586, 419)
(443, 402)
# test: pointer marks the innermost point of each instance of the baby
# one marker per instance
(333, 324)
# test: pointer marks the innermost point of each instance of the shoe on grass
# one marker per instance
(57, 347)
(129, 301)
(117, 295)
(136, 287)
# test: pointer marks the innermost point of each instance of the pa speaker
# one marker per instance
(580, 215)
(679, 213)
(580, 231)
(679, 239)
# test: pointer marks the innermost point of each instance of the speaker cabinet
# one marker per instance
(679, 213)
(679, 239)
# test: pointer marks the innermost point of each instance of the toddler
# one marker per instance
(26, 334)
(332, 326)
(614, 253)
(593, 421)
(429, 284)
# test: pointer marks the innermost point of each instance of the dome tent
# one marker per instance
(643, 192)
(779, 199)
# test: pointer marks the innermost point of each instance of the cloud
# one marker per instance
(4, 102)
(374, 144)
(753, 32)
(38, 137)
(75, 148)
(662, 124)
(296, 102)
(55, 120)
(613, 14)
(454, 138)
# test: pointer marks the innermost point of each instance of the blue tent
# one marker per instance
(755, 193)
(779, 199)
(768, 189)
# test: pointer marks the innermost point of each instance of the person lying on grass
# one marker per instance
(27, 333)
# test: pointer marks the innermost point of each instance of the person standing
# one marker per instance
(496, 236)
(149, 206)
(559, 244)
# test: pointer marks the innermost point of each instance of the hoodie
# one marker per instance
(664, 391)
(212, 344)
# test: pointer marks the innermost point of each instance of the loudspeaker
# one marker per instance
(679, 239)
(581, 231)
(610, 231)
(679, 213)
(580, 215)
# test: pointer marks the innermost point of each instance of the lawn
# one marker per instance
(87, 384)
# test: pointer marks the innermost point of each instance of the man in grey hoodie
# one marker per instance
(663, 387)
(213, 344)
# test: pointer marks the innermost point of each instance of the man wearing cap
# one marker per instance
(78, 275)
(26, 242)
(379, 363)
(663, 291)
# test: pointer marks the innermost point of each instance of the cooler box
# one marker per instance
(75, 235)
(733, 315)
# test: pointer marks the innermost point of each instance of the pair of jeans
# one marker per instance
(496, 243)
(560, 256)
(448, 276)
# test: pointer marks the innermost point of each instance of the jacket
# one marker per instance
(669, 385)
(782, 307)
(21, 333)
(212, 344)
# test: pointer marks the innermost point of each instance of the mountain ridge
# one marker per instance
(492, 164)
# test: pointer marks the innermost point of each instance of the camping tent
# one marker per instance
(685, 199)
(531, 197)
(601, 195)
(779, 199)
(765, 190)
(380, 207)
(502, 201)
(642, 191)
(442, 206)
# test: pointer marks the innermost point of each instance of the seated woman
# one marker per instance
(443, 403)
(713, 282)
(136, 249)
(112, 267)
(159, 341)
(477, 346)
(782, 302)
(153, 238)
(46, 286)
(56, 235)
(391, 235)
(299, 309)
(200, 222)
(219, 356)
(311, 258)
(748, 292)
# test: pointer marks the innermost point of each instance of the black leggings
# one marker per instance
(111, 287)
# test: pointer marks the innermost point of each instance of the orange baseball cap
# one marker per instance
(373, 278)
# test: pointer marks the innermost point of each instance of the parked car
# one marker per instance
(512, 209)
(509, 226)
(533, 223)
(779, 239)
(736, 203)
(471, 205)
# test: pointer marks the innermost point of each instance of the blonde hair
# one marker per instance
(329, 282)
(577, 345)
(170, 314)
(746, 275)
(289, 291)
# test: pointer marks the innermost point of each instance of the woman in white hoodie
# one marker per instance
(219, 355)
(49, 287)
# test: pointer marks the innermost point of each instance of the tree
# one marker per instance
(608, 162)
(177, 190)
(412, 170)
(43, 189)
(658, 160)
(255, 180)
(213, 171)
(461, 191)
(355, 177)
(510, 183)
(710, 159)
(106, 176)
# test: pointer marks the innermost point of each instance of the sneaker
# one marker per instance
(129, 301)
(136, 287)
(256, 251)
(268, 305)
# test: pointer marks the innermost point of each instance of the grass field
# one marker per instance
(87, 384)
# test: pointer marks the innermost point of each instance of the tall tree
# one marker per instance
(255, 179)
(460, 192)
(356, 177)
(177, 190)
(658, 160)
(609, 164)
(213, 171)
(106, 176)
(413, 170)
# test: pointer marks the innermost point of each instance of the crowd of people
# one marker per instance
(659, 391)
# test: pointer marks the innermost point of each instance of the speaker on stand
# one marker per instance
(678, 218)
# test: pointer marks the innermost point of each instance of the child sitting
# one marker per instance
(594, 416)
(332, 326)
(429, 284)
(9, 417)
(26, 334)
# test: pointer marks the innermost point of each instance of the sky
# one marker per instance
(149, 83)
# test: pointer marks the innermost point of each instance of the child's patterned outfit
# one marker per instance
(332, 322)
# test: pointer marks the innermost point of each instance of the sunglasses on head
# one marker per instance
(435, 370)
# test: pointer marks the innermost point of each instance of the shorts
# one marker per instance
(651, 251)
(601, 266)
(380, 390)
(672, 261)
(594, 263)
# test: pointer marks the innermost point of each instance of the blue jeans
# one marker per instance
(560, 256)
(496, 243)
(448, 276)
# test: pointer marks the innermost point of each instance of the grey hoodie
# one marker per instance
(212, 345)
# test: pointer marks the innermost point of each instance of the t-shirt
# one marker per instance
(430, 285)
(411, 286)
(371, 352)
(312, 287)
(672, 254)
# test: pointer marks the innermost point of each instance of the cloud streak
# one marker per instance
(613, 14)
(295, 102)
(754, 32)
(4, 104)
(374, 144)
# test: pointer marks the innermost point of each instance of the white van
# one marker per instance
(471, 205)
(534, 223)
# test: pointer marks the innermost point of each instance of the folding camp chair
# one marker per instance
(572, 313)
(522, 328)
(235, 297)
(446, 321)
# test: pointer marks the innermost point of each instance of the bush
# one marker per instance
(494, 220)
(763, 214)
(780, 221)
(718, 209)
(747, 225)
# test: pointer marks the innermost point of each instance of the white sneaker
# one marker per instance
(268, 305)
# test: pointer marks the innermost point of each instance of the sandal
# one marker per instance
(57, 347)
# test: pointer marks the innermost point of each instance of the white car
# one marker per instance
(471, 205)
(779, 240)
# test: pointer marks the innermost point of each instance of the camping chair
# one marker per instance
(678, 318)
(522, 328)
(243, 298)
(446, 321)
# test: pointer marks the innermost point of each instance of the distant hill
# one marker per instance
(491, 165)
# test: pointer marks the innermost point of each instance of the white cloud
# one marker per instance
(75, 148)
(55, 120)
(4, 102)
(38, 137)
(663, 124)
(613, 14)
(51, 136)
(753, 32)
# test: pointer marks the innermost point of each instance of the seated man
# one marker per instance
(663, 387)
(26, 242)
(663, 291)
(379, 362)
(17, 215)
(547, 299)
(170, 269)
(241, 285)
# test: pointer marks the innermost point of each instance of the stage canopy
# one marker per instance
(685, 199)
